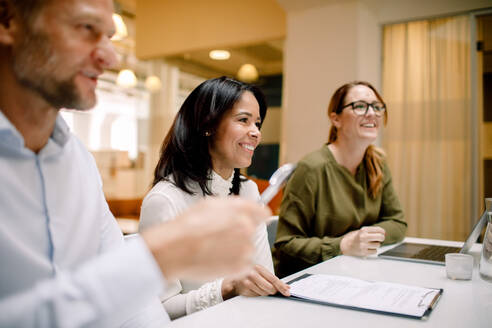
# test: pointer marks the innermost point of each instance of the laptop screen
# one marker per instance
(434, 253)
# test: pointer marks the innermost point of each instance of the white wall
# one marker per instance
(331, 42)
(320, 53)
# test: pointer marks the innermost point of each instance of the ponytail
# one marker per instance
(333, 134)
(373, 160)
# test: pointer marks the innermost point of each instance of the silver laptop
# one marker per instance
(434, 254)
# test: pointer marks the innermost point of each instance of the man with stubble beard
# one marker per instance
(63, 259)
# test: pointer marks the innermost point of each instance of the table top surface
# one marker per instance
(463, 303)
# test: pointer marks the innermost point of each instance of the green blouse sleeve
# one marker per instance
(295, 248)
(391, 214)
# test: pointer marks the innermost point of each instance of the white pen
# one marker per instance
(276, 182)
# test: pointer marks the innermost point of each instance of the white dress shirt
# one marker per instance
(164, 202)
(63, 260)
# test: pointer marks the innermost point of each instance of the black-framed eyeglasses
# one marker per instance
(360, 107)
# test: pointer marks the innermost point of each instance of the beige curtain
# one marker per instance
(426, 85)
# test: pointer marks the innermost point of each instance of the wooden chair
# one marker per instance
(127, 213)
(128, 208)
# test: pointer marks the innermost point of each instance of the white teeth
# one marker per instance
(248, 147)
(369, 125)
(90, 75)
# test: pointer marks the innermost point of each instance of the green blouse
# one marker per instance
(322, 202)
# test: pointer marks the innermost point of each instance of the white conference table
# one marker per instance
(463, 303)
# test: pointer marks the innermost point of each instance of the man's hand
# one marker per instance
(362, 242)
(211, 239)
(258, 282)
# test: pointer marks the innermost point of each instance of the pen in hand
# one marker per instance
(276, 182)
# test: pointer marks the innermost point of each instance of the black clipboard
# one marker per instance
(424, 316)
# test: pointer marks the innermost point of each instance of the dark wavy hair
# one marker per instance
(185, 150)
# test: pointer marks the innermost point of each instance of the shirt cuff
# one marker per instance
(218, 291)
(330, 247)
(204, 297)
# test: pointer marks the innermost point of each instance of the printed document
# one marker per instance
(355, 293)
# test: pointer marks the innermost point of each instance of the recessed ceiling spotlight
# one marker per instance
(219, 54)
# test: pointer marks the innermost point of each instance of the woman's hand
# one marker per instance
(258, 282)
(362, 242)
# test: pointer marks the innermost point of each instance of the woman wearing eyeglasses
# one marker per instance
(340, 199)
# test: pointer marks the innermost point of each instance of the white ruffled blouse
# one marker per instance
(164, 202)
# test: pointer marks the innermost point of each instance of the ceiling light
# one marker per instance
(219, 54)
(153, 83)
(121, 31)
(126, 78)
(247, 73)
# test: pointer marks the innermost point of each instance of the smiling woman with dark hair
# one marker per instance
(187, 151)
(213, 135)
(340, 199)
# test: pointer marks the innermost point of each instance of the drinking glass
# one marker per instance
(486, 256)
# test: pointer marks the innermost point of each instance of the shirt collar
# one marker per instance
(61, 132)
(11, 136)
(219, 185)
